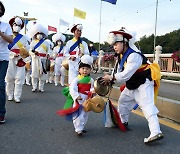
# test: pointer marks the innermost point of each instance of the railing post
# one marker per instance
(158, 51)
(100, 59)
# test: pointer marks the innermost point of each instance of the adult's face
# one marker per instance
(77, 33)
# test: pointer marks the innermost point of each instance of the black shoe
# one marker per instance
(84, 131)
(2, 119)
(126, 126)
(79, 133)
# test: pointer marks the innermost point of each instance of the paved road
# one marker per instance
(32, 127)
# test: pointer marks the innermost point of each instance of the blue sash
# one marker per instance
(75, 45)
(60, 49)
(126, 54)
(38, 44)
(15, 40)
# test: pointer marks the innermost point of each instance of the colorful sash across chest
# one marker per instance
(77, 43)
(84, 84)
(38, 44)
(60, 49)
(16, 39)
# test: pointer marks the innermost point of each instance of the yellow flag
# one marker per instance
(79, 13)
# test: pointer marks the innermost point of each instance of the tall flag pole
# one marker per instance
(100, 26)
(155, 27)
(109, 1)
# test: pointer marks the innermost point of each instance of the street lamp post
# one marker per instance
(25, 21)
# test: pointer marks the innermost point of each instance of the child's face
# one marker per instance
(118, 47)
(85, 71)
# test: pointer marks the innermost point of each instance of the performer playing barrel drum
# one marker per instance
(39, 50)
(58, 53)
(15, 76)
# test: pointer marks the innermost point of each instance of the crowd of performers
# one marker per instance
(30, 54)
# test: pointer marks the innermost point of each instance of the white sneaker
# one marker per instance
(34, 90)
(28, 84)
(56, 84)
(10, 98)
(17, 100)
(50, 81)
(42, 90)
(154, 138)
(47, 81)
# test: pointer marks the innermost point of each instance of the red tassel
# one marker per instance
(118, 119)
(122, 87)
(69, 110)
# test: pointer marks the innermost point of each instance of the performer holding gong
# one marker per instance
(142, 81)
(74, 49)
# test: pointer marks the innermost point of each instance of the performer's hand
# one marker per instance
(73, 58)
(16, 55)
(79, 98)
(106, 79)
(36, 53)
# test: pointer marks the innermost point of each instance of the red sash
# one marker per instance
(41, 54)
(84, 88)
(72, 53)
(17, 51)
(60, 54)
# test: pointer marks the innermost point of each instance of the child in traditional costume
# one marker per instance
(80, 88)
(142, 81)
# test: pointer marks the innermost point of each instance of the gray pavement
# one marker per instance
(32, 127)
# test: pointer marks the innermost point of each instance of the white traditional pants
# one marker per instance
(15, 78)
(80, 121)
(144, 97)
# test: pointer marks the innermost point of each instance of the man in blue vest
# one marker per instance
(74, 49)
(134, 69)
(15, 76)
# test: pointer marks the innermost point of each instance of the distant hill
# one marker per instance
(170, 42)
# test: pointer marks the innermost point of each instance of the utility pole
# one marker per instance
(25, 21)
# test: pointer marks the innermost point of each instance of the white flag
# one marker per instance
(63, 23)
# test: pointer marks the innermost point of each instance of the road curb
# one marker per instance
(168, 108)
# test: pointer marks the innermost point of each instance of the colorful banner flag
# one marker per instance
(110, 1)
(63, 23)
(79, 13)
(50, 28)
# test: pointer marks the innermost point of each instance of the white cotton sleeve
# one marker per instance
(134, 61)
(74, 89)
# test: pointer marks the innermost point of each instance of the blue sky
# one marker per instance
(135, 15)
